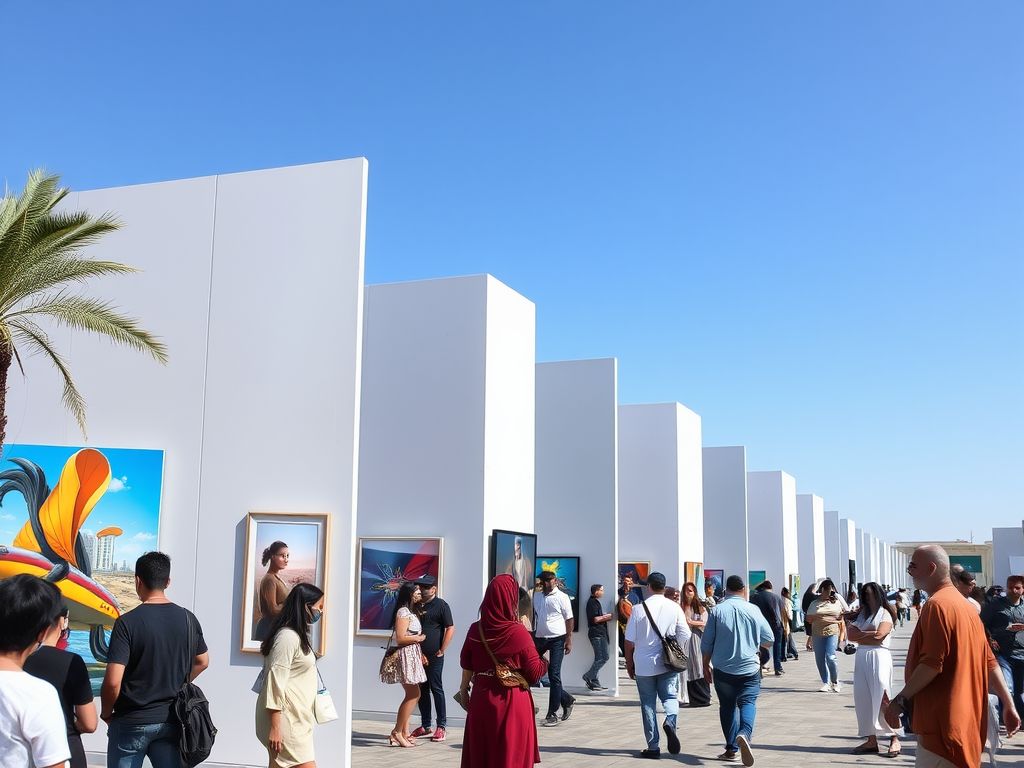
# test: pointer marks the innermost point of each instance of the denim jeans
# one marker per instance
(778, 648)
(128, 744)
(737, 705)
(433, 687)
(825, 657)
(1013, 673)
(600, 644)
(665, 687)
(555, 646)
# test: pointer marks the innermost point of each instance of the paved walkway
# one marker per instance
(796, 726)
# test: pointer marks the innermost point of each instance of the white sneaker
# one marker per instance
(826, 688)
(837, 687)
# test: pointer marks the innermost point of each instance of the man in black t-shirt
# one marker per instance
(438, 628)
(148, 660)
(773, 609)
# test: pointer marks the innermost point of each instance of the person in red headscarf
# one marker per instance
(500, 728)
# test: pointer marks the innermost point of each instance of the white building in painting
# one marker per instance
(104, 553)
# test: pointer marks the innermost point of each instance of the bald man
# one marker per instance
(948, 651)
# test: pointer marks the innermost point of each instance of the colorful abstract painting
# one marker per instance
(567, 579)
(756, 577)
(633, 579)
(716, 577)
(384, 565)
(81, 516)
(694, 572)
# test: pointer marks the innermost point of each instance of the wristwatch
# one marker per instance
(900, 701)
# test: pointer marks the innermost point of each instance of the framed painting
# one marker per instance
(633, 579)
(756, 577)
(694, 573)
(89, 513)
(717, 578)
(384, 565)
(514, 553)
(567, 579)
(282, 549)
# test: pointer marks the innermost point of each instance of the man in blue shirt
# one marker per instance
(729, 648)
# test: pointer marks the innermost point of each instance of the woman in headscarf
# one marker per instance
(500, 727)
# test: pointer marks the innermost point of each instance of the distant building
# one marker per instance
(976, 558)
(89, 545)
(105, 550)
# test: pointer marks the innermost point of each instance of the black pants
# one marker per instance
(433, 687)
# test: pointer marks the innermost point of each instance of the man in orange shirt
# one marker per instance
(950, 661)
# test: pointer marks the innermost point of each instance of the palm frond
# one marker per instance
(52, 273)
(40, 196)
(26, 332)
(96, 316)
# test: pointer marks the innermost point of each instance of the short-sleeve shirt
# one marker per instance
(552, 612)
(66, 672)
(151, 641)
(596, 628)
(436, 618)
(997, 616)
(648, 649)
(734, 631)
(951, 713)
(829, 609)
(871, 624)
(32, 730)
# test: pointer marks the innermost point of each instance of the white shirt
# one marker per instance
(32, 727)
(647, 652)
(870, 626)
(552, 610)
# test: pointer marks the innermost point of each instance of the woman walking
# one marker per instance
(827, 631)
(405, 620)
(284, 708)
(696, 612)
(872, 671)
(787, 600)
(500, 727)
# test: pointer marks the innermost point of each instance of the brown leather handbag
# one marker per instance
(507, 676)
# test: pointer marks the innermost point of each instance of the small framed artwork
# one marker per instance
(514, 553)
(567, 579)
(633, 579)
(282, 549)
(756, 577)
(385, 564)
(695, 574)
(717, 578)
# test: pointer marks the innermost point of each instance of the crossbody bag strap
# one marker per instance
(190, 653)
(653, 622)
(487, 647)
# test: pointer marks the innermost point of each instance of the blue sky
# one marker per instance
(802, 220)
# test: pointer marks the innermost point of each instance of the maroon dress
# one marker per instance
(501, 731)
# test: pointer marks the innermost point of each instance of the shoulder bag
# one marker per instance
(507, 676)
(672, 654)
(193, 710)
(323, 705)
(390, 669)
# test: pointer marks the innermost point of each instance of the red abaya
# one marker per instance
(500, 728)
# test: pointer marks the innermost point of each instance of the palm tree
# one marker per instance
(41, 260)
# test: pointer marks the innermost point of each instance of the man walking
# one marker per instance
(734, 632)
(644, 663)
(554, 636)
(438, 628)
(597, 632)
(773, 608)
(949, 661)
(148, 660)
(1003, 617)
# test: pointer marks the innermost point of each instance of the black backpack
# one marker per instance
(193, 711)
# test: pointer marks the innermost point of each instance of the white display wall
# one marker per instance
(726, 538)
(772, 521)
(1007, 548)
(847, 551)
(660, 487)
(250, 414)
(576, 492)
(447, 442)
(810, 511)
(834, 567)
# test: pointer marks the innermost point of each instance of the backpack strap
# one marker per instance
(190, 649)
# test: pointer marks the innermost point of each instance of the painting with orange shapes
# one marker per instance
(79, 517)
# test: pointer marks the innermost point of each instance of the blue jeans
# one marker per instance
(665, 687)
(600, 644)
(737, 705)
(825, 657)
(1013, 673)
(433, 687)
(555, 646)
(128, 744)
(778, 648)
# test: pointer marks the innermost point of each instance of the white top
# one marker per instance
(871, 626)
(552, 611)
(32, 728)
(670, 620)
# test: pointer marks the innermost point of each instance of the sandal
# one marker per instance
(894, 750)
(864, 749)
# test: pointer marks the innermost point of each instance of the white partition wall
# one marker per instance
(725, 510)
(1007, 547)
(834, 567)
(447, 440)
(239, 411)
(847, 552)
(660, 487)
(862, 573)
(576, 491)
(811, 537)
(772, 525)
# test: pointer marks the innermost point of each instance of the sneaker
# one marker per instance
(651, 754)
(837, 687)
(420, 732)
(729, 757)
(745, 754)
(438, 734)
(590, 683)
(671, 738)
(826, 688)
(567, 711)
(551, 720)
(780, 672)
(599, 687)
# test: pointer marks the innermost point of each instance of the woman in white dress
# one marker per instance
(872, 671)
(408, 637)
